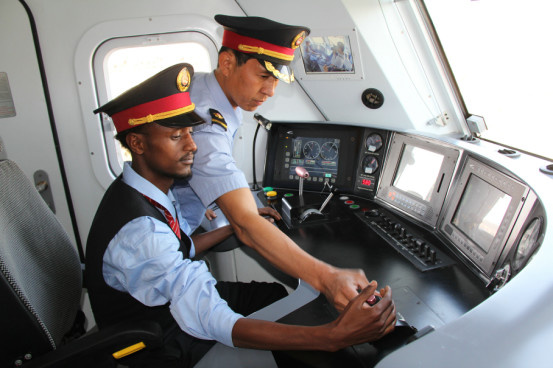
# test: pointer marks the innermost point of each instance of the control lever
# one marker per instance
(313, 212)
(333, 191)
(303, 174)
(373, 299)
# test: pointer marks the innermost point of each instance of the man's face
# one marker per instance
(249, 85)
(168, 153)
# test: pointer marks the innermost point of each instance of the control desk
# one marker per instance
(441, 227)
(429, 286)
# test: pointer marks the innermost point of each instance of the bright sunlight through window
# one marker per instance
(501, 53)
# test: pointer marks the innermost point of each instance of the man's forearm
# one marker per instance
(281, 251)
(338, 285)
(256, 334)
(205, 241)
(271, 243)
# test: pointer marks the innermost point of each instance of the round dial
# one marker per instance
(311, 149)
(527, 243)
(370, 164)
(329, 151)
(374, 142)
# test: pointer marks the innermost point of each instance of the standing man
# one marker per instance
(256, 54)
(139, 257)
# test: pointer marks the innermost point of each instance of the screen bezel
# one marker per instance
(426, 212)
(485, 262)
(302, 73)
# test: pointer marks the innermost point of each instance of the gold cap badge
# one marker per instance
(183, 80)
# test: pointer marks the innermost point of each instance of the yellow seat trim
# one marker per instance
(129, 350)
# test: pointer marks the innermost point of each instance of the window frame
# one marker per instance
(102, 148)
(422, 55)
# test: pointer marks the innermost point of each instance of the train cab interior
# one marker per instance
(389, 162)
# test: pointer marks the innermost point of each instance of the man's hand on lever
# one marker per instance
(342, 285)
(360, 322)
(269, 213)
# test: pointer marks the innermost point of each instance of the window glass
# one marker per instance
(127, 67)
(501, 55)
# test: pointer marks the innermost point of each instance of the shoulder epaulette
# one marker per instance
(217, 118)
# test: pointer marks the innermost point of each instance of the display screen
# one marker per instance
(480, 211)
(418, 172)
(327, 54)
(319, 156)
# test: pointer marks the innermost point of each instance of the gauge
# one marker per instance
(374, 142)
(527, 244)
(370, 164)
(329, 151)
(311, 149)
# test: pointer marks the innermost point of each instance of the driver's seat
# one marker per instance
(41, 289)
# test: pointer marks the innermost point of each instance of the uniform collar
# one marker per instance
(134, 180)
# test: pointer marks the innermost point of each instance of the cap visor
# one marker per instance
(183, 120)
(280, 71)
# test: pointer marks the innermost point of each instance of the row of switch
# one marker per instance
(418, 247)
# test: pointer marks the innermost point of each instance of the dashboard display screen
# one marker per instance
(418, 171)
(481, 211)
(328, 153)
(319, 156)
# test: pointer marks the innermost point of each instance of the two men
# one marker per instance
(139, 254)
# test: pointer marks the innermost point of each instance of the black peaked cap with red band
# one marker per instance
(162, 98)
(262, 38)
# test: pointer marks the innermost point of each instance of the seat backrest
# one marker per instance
(40, 271)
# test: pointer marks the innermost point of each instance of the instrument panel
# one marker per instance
(326, 152)
(371, 160)
(346, 157)
(491, 221)
(319, 156)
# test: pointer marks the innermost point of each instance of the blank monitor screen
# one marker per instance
(417, 171)
(417, 176)
(481, 211)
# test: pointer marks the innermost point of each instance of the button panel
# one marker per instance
(422, 254)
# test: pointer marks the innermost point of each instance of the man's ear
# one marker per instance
(135, 141)
(227, 62)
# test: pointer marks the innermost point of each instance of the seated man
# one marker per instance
(139, 255)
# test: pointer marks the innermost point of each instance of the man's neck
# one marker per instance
(163, 183)
(221, 80)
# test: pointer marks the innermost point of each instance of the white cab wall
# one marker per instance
(27, 136)
(340, 98)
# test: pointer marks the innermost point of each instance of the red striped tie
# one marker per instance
(173, 223)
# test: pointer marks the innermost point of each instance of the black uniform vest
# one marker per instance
(121, 204)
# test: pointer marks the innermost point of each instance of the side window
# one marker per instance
(121, 63)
